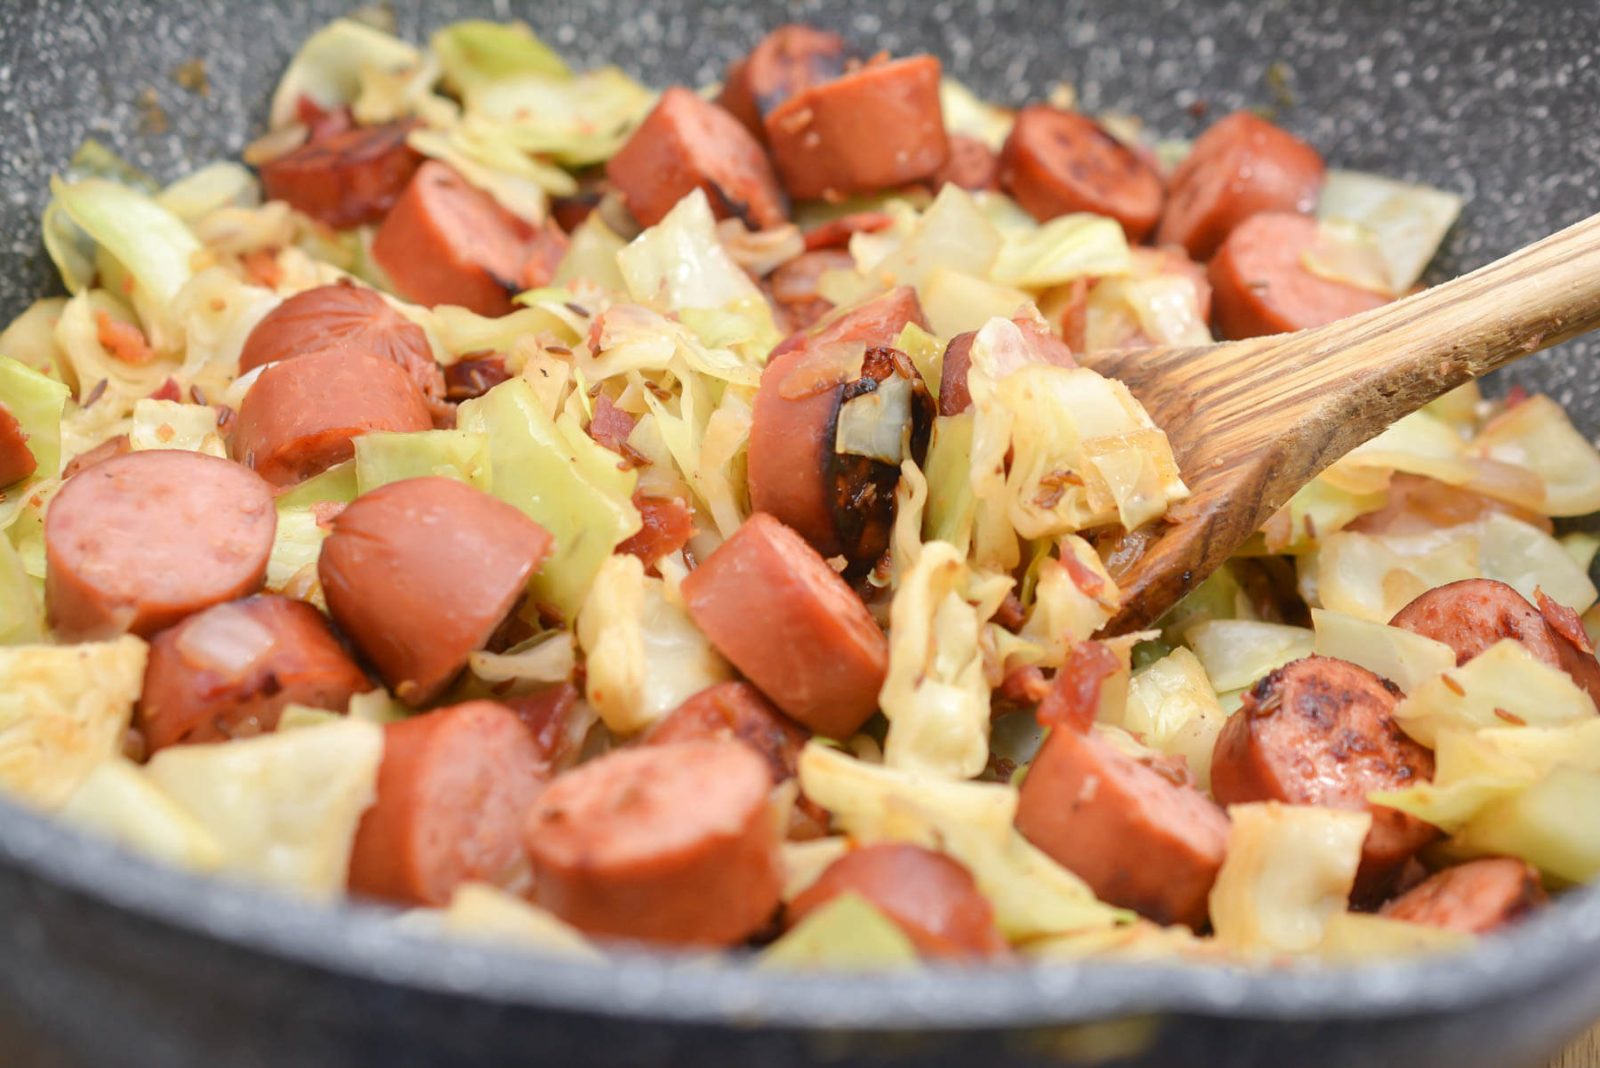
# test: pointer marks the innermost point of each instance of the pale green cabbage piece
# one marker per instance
(846, 934)
(1407, 221)
(577, 121)
(118, 801)
(37, 403)
(383, 457)
(330, 65)
(474, 51)
(679, 263)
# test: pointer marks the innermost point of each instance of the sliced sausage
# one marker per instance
(841, 503)
(345, 178)
(930, 897)
(1475, 898)
(1037, 346)
(791, 625)
(787, 60)
(348, 318)
(1320, 731)
(421, 572)
(16, 460)
(794, 285)
(454, 788)
(1473, 614)
(972, 165)
(1139, 839)
(448, 242)
(1242, 166)
(228, 672)
(836, 233)
(664, 843)
(1057, 162)
(874, 128)
(302, 416)
(668, 526)
(688, 143)
(138, 542)
(1262, 284)
(117, 445)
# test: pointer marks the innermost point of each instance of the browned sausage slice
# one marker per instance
(873, 128)
(347, 178)
(348, 318)
(302, 416)
(1475, 898)
(664, 843)
(228, 672)
(787, 620)
(1262, 285)
(448, 242)
(737, 711)
(1138, 837)
(454, 788)
(842, 504)
(930, 897)
(787, 60)
(16, 460)
(1056, 162)
(138, 542)
(688, 143)
(1038, 346)
(1473, 614)
(1240, 167)
(1320, 731)
(421, 572)
(972, 165)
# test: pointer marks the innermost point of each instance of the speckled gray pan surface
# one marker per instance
(105, 959)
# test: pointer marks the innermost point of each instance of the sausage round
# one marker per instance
(1262, 285)
(1475, 898)
(842, 504)
(794, 285)
(454, 788)
(836, 233)
(421, 572)
(972, 165)
(929, 896)
(301, 416)
(688, 143)
(448, 242)
(137, 542)
(873, 128)
(16, 460)
(1056, 162)
(1320, 731)
(346, 178)
(348, 318)
(1473, 614)
(791, 625)
(228, 672)
(664, 843)
(787, 60)
(116, 445)
(1242, 166)
(1138, 837)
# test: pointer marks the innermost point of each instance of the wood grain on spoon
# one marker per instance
(1251, 422)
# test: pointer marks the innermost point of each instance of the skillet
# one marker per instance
(108, 960)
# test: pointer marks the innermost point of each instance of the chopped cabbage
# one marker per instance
(118, 801)
(645, 656)
(562, 479)
(1063, 613)
(37, 403)
(952, 506)
(382, 458)
(956, 301)
(1353, 937)
(297, 541)
(1503, 684)
(1317, 509)
(1349, 254)
(1218, 597)
(966, 113)
(1137, 941)
(474, 51)
(541, 660)
(1407, 222)
(1536, 434)
(30, 338)
(329, 68)
(283, 807)
(1065, 248)
(848, 934)
(21, 606)
(1288, 872)
(679, 263)
(519, 183)
(1403, 657)
(803, 862)
(1173, 709)
(592, 255)
(224, 184)
(576, 120)
(952, 233)
(1551, 825)
(1237, 652)
(162, 424)
(481, 911)
(63, 710)
(935, 694)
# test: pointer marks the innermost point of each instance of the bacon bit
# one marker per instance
(321, 123)
(1515, 396)
(545, 713)
(261, 267)
(325, 512)
(668, 525)
(1089, 581)
(610, 425)
(1023, 686)
(96, 391)
(1010, 614)
(167, 391)
(1074, 698)
(632, 458)
(1563, 620)
(836, 233)
(1510, 717)
(122, 340)
(1452, 685)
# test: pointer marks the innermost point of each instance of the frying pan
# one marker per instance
(108, 960)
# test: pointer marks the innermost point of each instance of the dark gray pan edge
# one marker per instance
(1501, 102)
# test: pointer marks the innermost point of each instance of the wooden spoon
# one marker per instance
(1253, 421)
